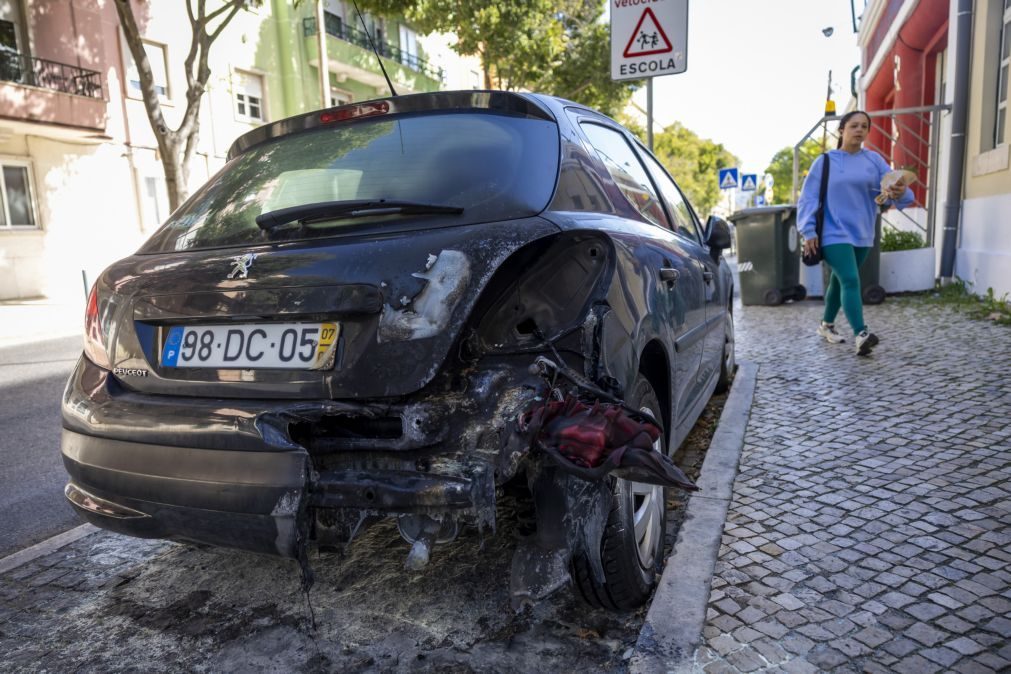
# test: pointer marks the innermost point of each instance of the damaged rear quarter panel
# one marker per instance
(631, 320)
(426, 303)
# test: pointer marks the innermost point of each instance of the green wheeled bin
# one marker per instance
(768, 255)
(871, 290)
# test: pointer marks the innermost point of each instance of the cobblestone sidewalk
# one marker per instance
(870, 528)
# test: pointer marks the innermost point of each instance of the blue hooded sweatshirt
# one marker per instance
(853, 182)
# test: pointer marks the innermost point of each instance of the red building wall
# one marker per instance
(905, 80)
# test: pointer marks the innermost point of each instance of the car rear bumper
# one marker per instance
(251, 500)
(273, 476)
(245, 500)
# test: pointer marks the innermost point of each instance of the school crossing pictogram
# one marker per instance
(728, 178)
(648, 37)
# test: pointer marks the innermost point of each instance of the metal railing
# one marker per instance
(336, 26)
(910, 141)
(36, 72)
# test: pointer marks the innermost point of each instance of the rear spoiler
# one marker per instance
(442, 101)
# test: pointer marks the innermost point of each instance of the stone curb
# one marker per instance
(677, 614)
(45, 547)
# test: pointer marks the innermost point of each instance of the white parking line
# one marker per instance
(45, 547)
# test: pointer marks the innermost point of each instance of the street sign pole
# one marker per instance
(649, 113)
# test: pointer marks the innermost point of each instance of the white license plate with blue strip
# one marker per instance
(275, 346)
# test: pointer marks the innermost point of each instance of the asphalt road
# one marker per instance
(32, 506)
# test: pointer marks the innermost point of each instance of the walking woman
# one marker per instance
(854, 180)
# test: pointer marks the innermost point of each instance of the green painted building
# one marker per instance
(290, 50)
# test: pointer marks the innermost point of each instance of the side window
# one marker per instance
(17, 203)
(680, 211)
(156, 58)
(624, 167)
(248, 89)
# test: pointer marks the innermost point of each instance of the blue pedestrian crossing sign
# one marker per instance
(749, 182)
(728, 178)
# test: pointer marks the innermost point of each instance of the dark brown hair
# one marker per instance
(846, 118)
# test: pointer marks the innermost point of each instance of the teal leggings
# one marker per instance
(844, 260)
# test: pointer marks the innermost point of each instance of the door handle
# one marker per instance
(669, 274)
(708, 276)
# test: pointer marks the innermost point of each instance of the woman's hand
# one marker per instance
(811, 245)
(896, 191)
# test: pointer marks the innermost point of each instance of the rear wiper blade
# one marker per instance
(326, 210)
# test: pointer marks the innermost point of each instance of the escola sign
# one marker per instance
(649, 38)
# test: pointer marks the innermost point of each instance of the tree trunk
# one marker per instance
(177, 147)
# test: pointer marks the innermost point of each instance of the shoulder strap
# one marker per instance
(819, 218)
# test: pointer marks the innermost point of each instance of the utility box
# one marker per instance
(768, 255)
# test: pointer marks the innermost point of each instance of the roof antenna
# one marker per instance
(369, 35)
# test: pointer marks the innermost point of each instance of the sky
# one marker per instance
(757, 73)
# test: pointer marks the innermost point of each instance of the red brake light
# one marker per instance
(354, 112)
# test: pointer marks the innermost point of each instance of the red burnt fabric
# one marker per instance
(591, 441)
(586, 435)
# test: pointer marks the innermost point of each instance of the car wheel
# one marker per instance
(632, 546)
(728, 365)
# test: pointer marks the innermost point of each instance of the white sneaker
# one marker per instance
(827, 330)
(866, 341)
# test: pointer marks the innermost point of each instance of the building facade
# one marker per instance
(82, 183)
(908, 63)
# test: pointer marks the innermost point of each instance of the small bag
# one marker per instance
(812, 259)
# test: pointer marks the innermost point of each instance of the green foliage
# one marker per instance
(989, 307)
(581, 72)
(557, 47)
(893, 240)
(781, 169)
(694, 163)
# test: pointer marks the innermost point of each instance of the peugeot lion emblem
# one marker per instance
(241, 265)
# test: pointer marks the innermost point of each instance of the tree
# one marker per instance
(558, 47)
(781, 169)
(582, 69)
(176, 146)
(694, 163)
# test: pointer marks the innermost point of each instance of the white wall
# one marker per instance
(984, 254)
(86, 214)
(461, 72)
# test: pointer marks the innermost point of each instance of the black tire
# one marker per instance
(728, 364)
(772, 298)
(629, 574)
(799, 293)
(873, 294)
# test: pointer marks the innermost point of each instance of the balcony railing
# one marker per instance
(338, 28)
(36, 72)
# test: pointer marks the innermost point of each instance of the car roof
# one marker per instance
(536, 106)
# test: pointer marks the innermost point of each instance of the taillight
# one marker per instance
(354, 112)
(94, 339)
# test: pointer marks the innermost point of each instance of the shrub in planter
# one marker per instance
(893, 240)
(906, 264)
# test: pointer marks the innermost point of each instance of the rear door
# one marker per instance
(673, 277)
(687, 227)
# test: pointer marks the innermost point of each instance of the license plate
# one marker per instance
(277, 346)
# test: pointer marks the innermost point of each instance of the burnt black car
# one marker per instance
(359, 316)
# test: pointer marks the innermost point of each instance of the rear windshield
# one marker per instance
(493, 166)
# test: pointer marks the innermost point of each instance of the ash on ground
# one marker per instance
(111, 603)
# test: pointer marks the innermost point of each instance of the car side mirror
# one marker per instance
(717, 235)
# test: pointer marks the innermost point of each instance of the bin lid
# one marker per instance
(746, 213)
